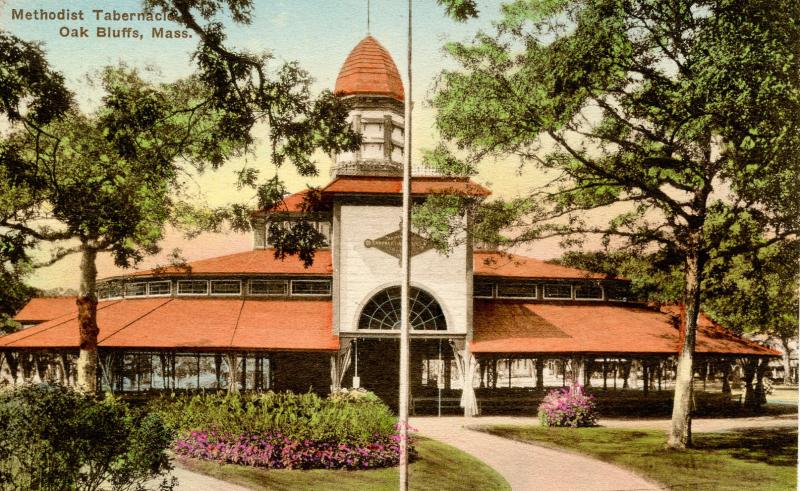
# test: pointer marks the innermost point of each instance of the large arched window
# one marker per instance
(383, 311)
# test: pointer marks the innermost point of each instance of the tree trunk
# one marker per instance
(680, 432)
(761, 371)
(787, 364)
(87, 321)
(749, 366)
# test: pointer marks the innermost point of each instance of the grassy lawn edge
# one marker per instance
(439, 466)
(762, 458)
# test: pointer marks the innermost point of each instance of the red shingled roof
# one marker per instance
(491, 263)
(549, 328)
(194, 323)
(258, 261)
(393, 185)
(500, 327)
(369, 70)
(46, 308)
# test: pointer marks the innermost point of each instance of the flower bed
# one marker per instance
(276, 451)
(569, 406)
(283, 430)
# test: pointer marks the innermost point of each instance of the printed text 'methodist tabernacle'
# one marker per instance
(97, 14)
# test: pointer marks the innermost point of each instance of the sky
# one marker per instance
(316, 33)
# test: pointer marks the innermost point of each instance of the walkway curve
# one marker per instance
(529, 467)
(194, 481)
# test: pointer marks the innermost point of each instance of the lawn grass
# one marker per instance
(748, 459)
(438, 467)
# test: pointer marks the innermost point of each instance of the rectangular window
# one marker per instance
(516, 290)
(156, 288)
(114, 289)
(311, 287)
(617, 292)
(102, 292)
(482, 289)
(588, 292)
(558, 291)
(226, 287)
(269, 287)
(260, 235)
(325, 229)
(193, 287)
(135, 289)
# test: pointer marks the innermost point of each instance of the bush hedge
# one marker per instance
(53, 438)
(347, 430)
(345, 418)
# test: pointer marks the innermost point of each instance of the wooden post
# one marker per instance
(508, 365)
(233, 372)
(539, 373)
(198, 371)
(616, 367)
(244, 371)
(605, 373)
(726, 373)
(660, 369)
(218, 369)
(646, 377)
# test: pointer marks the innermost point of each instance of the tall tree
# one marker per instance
(757, 293)
(32, 94)
(679, 117)
(87, 184)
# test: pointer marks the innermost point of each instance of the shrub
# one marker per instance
(54, 438)
(348, 430)
(568, 406)
(343, 418)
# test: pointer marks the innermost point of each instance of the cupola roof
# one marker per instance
(369, 70)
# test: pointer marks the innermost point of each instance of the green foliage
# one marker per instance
(677, 119)
(248, 91)
(340, 418)
(756, 292)
(107, 178)
(654, 277)
(29, 89)
(15, 293)
(687, 111)
(52, 438)
(750, 293)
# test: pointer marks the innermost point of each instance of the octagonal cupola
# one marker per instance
(370, 84)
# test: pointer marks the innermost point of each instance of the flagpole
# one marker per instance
(405, 273)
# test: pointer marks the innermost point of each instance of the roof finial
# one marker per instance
(368, 33)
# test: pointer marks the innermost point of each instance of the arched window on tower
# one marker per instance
(382, 312)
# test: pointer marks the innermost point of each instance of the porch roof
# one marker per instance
(512, 327)
(196, 323)
(42, 309)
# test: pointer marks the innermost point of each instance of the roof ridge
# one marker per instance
(236, 325)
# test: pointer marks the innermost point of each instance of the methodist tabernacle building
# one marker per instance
(482, 321)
